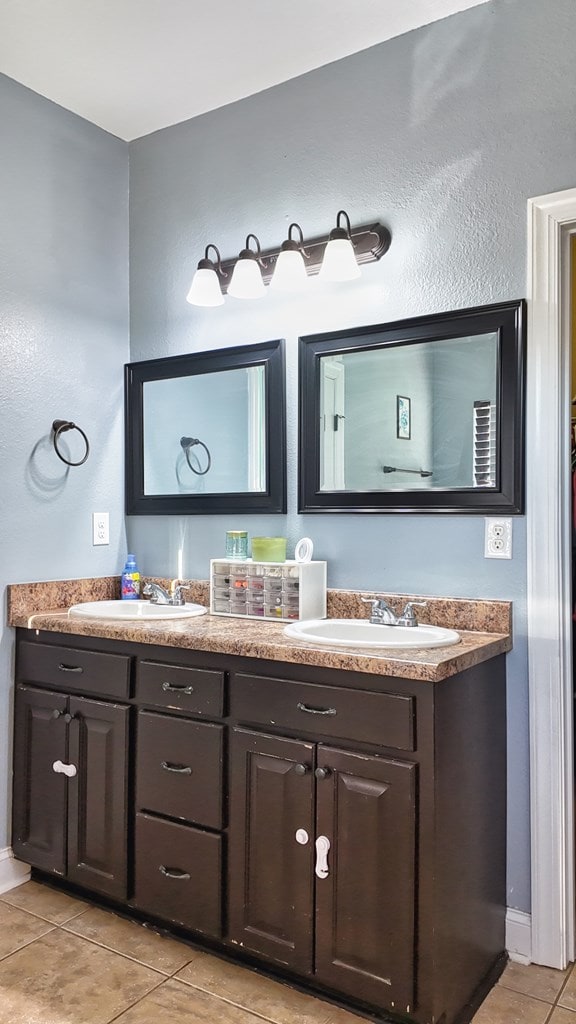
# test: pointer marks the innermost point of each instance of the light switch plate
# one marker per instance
(100, 528)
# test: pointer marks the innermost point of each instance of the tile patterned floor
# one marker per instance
(63, 961)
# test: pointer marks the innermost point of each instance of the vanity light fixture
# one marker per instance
(247, 280)
(205, 289)
(337, 256)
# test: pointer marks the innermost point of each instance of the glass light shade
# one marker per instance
(246, 280)
(339, 263)
(205, 289)
(290, 272)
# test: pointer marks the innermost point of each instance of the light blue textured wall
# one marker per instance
(63, 342)
(444, 134)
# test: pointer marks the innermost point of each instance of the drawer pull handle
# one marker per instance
(170, 688)
(322, 846)
(64, 769)
(182, 876)
(315, 711)
(70, 668)
(180, 769)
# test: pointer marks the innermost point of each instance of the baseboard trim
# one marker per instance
(12, 872)
(519, 936)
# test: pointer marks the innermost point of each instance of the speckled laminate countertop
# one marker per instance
(484, 627)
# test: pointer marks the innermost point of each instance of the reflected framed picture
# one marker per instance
(403, 422)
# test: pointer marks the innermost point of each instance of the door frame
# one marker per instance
(551, 222)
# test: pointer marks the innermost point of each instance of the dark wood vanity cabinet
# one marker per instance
(345, 830)
(322, 863)
(178, 851)
(70, 787)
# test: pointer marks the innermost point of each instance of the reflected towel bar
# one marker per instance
(398, 469)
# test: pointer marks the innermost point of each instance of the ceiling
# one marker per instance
(135, 66)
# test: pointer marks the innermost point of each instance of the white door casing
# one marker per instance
(551, 221)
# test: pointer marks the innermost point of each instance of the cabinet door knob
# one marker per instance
(322, 846)
(181, 876)
(322, 773)
(56, 713)
(64, 769)
(180, 769)
(300, 769)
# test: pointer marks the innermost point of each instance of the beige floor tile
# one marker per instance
(62, 979)
(252, 991)
(175, 1003)
(340, 1016)
(132, 939)
(540, 982)
(502, 1006)
(17, 928)
(562, 1016)
(44, 902)
(568, 996)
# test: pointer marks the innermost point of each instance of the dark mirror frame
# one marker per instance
(269, 354)
(508, 319)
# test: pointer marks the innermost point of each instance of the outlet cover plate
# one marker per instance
(498, 538)
(100, 528)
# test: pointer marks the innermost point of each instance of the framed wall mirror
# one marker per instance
(205, 432)
(421, 415)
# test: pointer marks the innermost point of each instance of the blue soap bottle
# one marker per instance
(130, 580)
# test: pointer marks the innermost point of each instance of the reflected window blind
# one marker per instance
(484, 444)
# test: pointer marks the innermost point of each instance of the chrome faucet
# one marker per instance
(383, 615)
(159, 595)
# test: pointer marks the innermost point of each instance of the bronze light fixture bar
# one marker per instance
(370, 241)
(336, 256)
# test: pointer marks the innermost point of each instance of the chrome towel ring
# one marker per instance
(60, 427)
(188, 443)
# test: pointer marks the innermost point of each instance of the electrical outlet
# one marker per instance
(498, 538)
(100, 528)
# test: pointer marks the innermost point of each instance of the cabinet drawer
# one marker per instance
(385, 719)
(178, 874)
(179, 768)
(68, 668)
(197, 690)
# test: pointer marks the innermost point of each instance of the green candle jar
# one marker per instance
(269, 549)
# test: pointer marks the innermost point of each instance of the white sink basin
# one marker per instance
(124, 610)
(362, 633)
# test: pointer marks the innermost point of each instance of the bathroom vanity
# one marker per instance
(338, 819)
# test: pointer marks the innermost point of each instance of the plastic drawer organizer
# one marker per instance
(268, 590)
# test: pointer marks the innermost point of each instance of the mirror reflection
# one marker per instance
(415, 416)
(419, 415)
(205, 434)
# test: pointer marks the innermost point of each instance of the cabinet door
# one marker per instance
(270, 880)
(39, 803)
(365, 903)
(97, 796)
